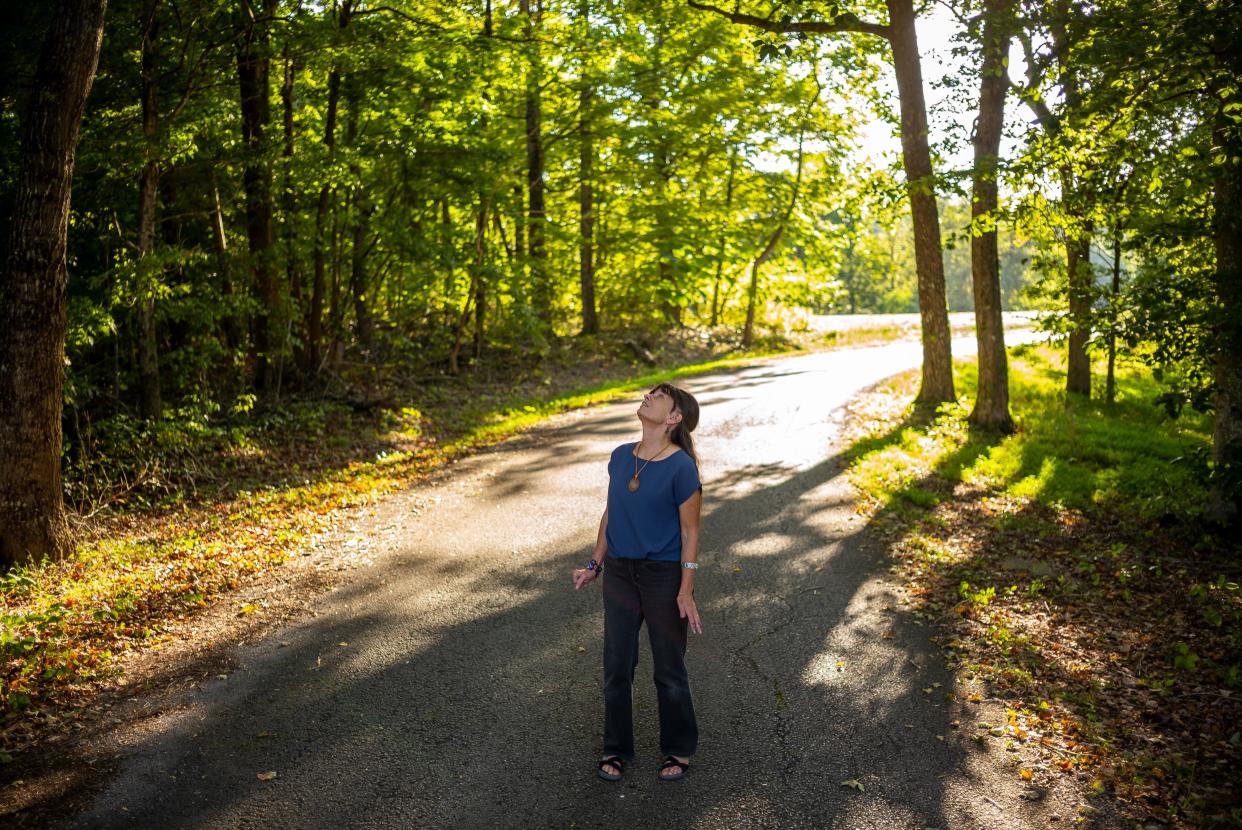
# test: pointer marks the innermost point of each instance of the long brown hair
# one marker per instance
(686, 404)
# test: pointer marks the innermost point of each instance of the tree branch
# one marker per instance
(845, 23)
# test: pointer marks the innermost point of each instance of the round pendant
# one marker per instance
(633, 485)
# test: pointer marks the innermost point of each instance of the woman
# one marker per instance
(648, 550)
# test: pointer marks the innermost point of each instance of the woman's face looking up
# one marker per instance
(656, 406)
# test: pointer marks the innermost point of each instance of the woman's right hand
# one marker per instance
(582, 576)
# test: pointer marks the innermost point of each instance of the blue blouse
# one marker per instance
(647, 524)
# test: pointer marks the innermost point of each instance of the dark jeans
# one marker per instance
(637, 590)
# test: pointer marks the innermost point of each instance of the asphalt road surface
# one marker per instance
(454, 682)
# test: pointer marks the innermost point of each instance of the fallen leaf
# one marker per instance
(1025, 773)
(853, 782)
(266, 776)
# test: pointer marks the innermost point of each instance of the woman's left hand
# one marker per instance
(582, 576)
(687, 609)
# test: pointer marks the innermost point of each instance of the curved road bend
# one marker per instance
(455, 681)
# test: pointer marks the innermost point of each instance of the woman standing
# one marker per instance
(648, 550)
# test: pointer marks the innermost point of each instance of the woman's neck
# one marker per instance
(654, 440)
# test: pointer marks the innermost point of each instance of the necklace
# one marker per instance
(633, 485)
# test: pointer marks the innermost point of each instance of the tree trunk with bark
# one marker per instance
(666, 270)
(289, 207)
(480, 283)
(586, 211)
(717, 306)
(33, 290)
(937, 383)
(752, 293)
(1225, 497)
(148, 187)
(314, 321)
(991, 409)
(1076, 199)
(253, 66)
(359, 280)
(1110, 378)
(1080, 280)
(541, 288)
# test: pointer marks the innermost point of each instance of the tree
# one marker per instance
(33, 291)
(148, 186)
(253, 69)
(991, 410)
(899, 34)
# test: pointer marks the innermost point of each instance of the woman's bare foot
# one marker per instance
(676, 771)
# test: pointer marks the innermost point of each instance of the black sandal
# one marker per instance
(669, 763)
(611, 761)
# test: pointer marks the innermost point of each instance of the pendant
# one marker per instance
(633, 485)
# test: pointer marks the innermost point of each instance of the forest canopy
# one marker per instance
(273, 196)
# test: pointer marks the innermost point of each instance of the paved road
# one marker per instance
(455, 682)
(910, 322)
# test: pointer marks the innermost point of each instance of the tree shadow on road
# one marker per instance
(487, 712)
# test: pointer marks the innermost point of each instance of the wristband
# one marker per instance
(594, 566)
(690, 566)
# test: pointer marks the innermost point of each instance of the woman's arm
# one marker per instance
(689, 513)
(581, 575)
(601, 541)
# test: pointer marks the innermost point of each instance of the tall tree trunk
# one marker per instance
(752, 293)
(1076, 200)
(519, 225)
(937, 382)
(148, 187)
(586, 210)
(359, 280)
(480, 283)
(717, 308)
(1110, 379)
(253, 65)
(1225, 498)
(666, 271)
(1080, 279)
(33, 287)
(992, 401)
(228, 325)
(472, 292)
(535, 231)
(314, 322)
(289, 206)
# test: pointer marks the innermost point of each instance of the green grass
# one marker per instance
(1077, 453)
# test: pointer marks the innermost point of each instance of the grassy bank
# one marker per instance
(1068, 575)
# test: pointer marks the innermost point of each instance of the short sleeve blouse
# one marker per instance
(647, 524)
